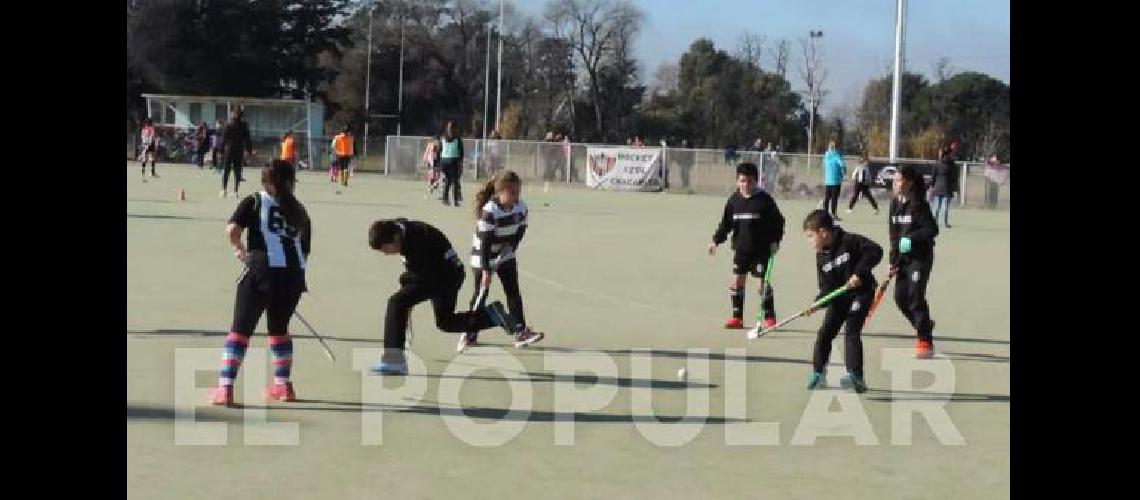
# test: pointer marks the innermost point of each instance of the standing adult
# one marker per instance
(451, 160)
(237, 147)
(202, 137)
(945, 185)
(833, 172)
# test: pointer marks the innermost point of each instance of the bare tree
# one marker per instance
(813, 74)
(750, 48)
(666, 79)
(596, 29)
(780, 55)
(942, 69)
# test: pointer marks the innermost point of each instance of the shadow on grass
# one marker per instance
(146, 412)
(713, 356)
(176, 332)
(499, 414)
(173, 217)
(884, 395)
(581, 379)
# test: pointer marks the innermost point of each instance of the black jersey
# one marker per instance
(844, 255)
(755, 222)
(426, 251)
(912, 219)
(285, 243)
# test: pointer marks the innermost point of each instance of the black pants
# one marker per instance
(865, 190)
(508, 273)
(443, 293)
(214, 159)
(450, 167)
(851, 311)
(275, 292)
(233, 162)
(831, 199)
(202, 149)
(910, 295)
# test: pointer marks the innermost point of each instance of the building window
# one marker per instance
(195, 113)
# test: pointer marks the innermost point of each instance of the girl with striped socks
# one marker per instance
(278, 243)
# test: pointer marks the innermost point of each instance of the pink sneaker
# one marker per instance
(280, 392)
(769, 322)
(223, 395)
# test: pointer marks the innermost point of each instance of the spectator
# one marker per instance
(997, 173)
(833, 172)
(637, 142)
(945, 185)
(730, 155)
(202, 137)
(215, 145)
(451, 161)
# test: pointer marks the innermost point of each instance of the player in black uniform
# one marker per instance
(913, 229)
(841, 258)
(757, 227)
(278, 236)
(237, 146)
(433, 272)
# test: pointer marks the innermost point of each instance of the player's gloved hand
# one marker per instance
(712, 248)
(854, 282)
(904, 245)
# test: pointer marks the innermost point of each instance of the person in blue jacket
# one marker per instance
(833, 172)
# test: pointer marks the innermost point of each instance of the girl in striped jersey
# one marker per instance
(502, 221)
(278, 243)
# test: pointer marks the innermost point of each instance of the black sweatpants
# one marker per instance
(450, 168)
(910, 295)
(232, 162)
(851, 311)
(147, 152)
(275, 292)
(865, 190)
(443, 293)
(831, 199)
(508, 273)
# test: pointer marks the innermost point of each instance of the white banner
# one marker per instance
(625, 169)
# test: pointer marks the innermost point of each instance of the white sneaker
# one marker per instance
(528, 337)
(464, 342)
(848, 210)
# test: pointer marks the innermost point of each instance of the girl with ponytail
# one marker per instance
(912, 229)
(278, 235)
(501, 222)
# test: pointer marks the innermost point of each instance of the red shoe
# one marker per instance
(223, 395)
(734, 323)
(923, 349)
(280, 392)
(769, 322)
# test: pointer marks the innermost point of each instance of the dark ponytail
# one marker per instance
(281, 175)
(497, 182)
(915, 181)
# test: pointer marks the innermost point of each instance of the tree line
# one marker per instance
(568, 69)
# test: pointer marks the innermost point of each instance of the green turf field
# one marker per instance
(619, 281)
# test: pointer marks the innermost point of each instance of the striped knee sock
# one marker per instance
(281, 349)
(234, 347)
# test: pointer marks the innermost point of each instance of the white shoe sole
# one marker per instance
(537, 337)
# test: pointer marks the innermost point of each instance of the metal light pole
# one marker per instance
(896, 84)
(486, 101)
(499, 89)
(812, 91)
(400, 90)
(367, 86)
